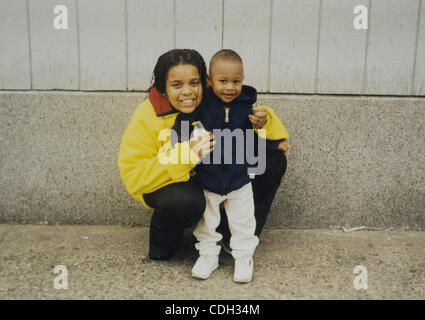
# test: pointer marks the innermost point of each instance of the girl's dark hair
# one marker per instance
(173, 58)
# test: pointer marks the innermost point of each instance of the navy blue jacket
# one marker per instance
(224, 177)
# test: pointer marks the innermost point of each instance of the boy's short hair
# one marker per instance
(226, 55)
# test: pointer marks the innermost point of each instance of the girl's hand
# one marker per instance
(203, 144)
(258, 118)
(284, 146)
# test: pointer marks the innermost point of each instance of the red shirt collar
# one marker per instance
(160, 103)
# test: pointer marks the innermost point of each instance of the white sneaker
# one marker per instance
(244, 268)
(204, 266)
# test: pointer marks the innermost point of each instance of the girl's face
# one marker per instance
(184, 88)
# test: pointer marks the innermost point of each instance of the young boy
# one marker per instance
(228, 104)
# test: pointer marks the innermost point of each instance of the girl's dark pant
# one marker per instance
(181, 205)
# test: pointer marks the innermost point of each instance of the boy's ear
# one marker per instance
(209, 82)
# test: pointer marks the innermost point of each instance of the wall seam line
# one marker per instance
(174, 24)
(29, 44)
(270, 46)
(365, 79)
(77, 17)
(415, 53)
(319, 31)
(126, 43)
(222, 24)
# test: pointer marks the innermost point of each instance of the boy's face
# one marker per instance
(226, 79)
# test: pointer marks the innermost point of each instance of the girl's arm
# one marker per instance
(143, 170)
(146, 162)
(265, 118)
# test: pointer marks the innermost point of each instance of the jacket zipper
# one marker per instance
(226, 118)
(224, 169)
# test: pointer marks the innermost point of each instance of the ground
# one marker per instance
(110, 262)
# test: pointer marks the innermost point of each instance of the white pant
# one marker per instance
(239, 205)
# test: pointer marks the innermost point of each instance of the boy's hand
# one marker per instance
(258, 117)
(284, 146)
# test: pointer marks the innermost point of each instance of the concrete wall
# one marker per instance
(288, 46)
(355, 160)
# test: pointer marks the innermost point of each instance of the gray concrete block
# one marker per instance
(355, 160)
(59, 158)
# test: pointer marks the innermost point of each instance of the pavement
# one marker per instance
(110, 262)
